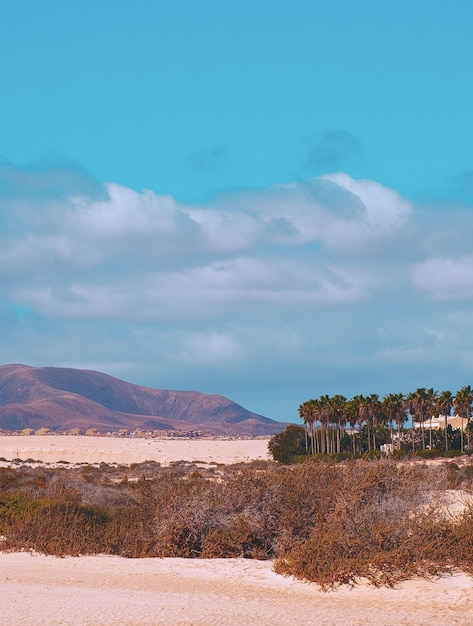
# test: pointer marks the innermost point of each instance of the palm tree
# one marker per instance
(316, 427)
(338, 416)
(421, 399)
(430, 400)
(357, 403)
(410, 407)
(323, 411)
(422, 403)
(352, 411)
(393, 409)
(370, 413)
(326, 417)
(463, 402)
(307, 413)
(443, 405)
(376, 413)
(365, 416)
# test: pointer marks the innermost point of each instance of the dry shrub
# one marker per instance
(465, 477)
(378, 525)
(9, 478)
(198, 518)
(463, 540)
(238, 537)
(324, 522)
(51, 526)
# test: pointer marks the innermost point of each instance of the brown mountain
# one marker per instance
(63, 398)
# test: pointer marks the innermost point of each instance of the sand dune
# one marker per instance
(105, 590)
(51, 449)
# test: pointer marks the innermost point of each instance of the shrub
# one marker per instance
(323, 521)
(288, 444)
(373, 527)
(428, 454)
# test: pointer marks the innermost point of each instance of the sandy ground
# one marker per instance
(51, 449)
(105, 590)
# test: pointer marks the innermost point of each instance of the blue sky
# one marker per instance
(268, 200)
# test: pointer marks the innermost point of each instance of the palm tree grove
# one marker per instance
(425, 422)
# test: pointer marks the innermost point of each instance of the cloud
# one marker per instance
(48, 181)
(445, 278)
(384, 209)
(122, 254)
(334, 210)
(326, 285)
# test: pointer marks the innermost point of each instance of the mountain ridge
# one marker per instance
(64, 398)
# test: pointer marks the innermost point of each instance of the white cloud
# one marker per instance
(335, 210)
(325, 285)
(225, 231)
(384, 210)
(124, 212)
(445, 278)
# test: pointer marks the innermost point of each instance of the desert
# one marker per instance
(236, 307)
(112, 590)
(109, 591)
(127, 450)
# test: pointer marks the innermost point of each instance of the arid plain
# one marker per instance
(109, 590)
(52, 449)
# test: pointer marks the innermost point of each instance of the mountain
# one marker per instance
(63, 398)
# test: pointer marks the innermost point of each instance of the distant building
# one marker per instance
(387, 448)
(43, 431)
(455, 421)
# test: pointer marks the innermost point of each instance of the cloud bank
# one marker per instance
(270, 296)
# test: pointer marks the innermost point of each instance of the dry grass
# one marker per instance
(322, 522)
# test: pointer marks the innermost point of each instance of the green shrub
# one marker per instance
(288, 444)
(399, 454)
(428, 454)
(450, 454)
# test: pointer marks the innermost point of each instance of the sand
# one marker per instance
(54, 448)
(106, 590)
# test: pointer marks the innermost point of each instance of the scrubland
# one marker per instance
(376, 521)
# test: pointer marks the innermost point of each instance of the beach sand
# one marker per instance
(106, 590)
(54, 448)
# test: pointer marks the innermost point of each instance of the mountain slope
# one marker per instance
(65, 398)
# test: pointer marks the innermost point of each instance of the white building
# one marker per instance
(455, 421)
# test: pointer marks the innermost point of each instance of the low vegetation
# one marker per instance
(320, 521)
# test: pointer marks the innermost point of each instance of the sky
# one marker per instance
(269, 200)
